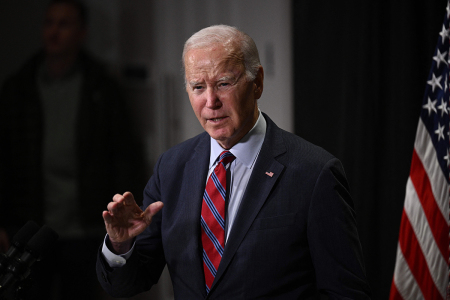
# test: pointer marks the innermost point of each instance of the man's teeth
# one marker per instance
(217, 119)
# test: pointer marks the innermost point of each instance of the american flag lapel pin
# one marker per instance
(270, 174)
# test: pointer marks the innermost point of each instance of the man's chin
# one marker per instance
(217, 133)
(222, 139)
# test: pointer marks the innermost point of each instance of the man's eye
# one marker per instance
(222, 84)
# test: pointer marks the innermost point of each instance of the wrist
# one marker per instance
(119, 247)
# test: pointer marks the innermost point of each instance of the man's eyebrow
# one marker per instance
(193, 83)
(223, 78)
(226, 78)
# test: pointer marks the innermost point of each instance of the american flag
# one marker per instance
(422, 269)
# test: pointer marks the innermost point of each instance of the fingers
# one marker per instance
(113, 207)
(119, 201)
(107, 217)
(128, 198)
(151, 210)
(155, 207)
(123, 209)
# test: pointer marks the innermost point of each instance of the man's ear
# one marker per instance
(259, 83)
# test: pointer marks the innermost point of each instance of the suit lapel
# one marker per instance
(194, 181)
(256, 193)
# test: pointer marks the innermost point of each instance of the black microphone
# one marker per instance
(19, 268)
(19, 241)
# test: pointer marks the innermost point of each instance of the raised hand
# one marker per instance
(124, 220)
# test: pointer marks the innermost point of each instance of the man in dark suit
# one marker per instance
(289, 227)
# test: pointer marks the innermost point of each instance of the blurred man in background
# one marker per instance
(64, 132)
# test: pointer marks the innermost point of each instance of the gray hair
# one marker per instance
(224, 34)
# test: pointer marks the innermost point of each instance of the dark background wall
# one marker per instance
(360, 71)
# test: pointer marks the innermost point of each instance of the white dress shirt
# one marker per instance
(246, 152)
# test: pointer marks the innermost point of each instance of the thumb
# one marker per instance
(151, 210)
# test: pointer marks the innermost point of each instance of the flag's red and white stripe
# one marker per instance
(422, 270)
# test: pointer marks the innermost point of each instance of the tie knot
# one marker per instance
(226, 157)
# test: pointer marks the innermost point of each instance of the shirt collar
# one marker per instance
(247, 149)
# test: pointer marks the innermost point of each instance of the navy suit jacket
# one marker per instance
(294, 234)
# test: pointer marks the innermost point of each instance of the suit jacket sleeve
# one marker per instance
(143, 269)
(333, 237)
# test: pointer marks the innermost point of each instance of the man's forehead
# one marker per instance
(217, 53)
(217, 62)
(199, 75)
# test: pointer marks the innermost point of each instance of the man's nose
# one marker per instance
(212, 99)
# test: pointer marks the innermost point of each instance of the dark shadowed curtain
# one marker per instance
(360, 74)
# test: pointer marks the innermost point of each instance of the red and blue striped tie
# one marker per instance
(213, 218)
